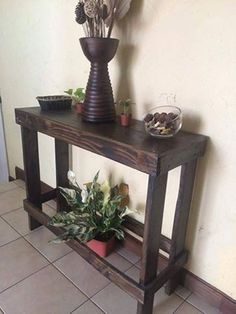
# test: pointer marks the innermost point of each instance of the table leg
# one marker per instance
(62, 167)
(151, 238)
(187, 177)
(32, 172)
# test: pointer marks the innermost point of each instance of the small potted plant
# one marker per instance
(96, 214)
(125, 117)
(78, 97)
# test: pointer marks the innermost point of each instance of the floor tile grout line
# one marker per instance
(51, 262)
(84, 304)
(10, 211)
(41, 253)
(24, 279)
(1, 246)
(126, 258)
(54, 261)
(16, 187)
(179, 295)
(70, 281)
(110, 284)
(22, 235)
(183, 301)
(97, 306)
(79, 306)
(89, 297)
(192, 304)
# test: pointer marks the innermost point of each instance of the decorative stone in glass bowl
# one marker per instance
(163, 121)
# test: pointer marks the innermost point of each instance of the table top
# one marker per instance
(131, 145)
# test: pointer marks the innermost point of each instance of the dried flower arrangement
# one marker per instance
(98, 16)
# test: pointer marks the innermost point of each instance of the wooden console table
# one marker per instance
(131, 147)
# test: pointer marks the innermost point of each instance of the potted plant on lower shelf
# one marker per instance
(78, 97)
(96, 214)
(125, 117)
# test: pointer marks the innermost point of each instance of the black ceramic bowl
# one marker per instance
(57, 102)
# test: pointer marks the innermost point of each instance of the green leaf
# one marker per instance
(101, 213)
(69, 92)
(60, 239)
(79, 91)
(119, 233)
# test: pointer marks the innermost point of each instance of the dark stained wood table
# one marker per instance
(134, 148)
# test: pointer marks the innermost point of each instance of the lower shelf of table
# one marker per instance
(126, 283)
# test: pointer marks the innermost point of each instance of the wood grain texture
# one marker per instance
(138, 228)
(20, 174)
(130, 146)
(134, 148)
(62, 167)
(152, 237)
(32, 171)
(182, 210)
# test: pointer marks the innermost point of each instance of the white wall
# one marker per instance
(3, 155)
(182, 47)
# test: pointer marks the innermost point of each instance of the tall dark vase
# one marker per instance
(99, 102)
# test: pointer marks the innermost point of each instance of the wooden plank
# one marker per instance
(138, 228)
(20, 174)
(126, 283)
(48, 196)
(181, 217)
(167, 273)
(151, 237)
(32, 172)
(62, 167)
(130, 146)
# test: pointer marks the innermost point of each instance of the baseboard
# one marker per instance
(209, 293)
(195, 284)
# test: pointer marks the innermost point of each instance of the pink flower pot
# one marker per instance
(103, 249)
(125, 120)
(79, 108)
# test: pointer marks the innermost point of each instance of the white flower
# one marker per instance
(106, 189)
(84, 195)
(71, 176)
(128, 212)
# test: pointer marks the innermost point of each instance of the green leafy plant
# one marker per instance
(77, 95)
(96, 211)
(125, 106)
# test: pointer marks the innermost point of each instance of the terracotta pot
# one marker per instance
(99, 102)
(125, 120)
(79, 108)
(103, 249)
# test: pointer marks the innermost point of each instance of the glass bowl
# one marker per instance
(163, 121)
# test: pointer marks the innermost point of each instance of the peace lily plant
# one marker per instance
(96, 211)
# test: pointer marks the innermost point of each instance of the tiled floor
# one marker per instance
(37, 277)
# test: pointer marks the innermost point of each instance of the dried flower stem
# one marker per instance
(98, 16)
(112, 18)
